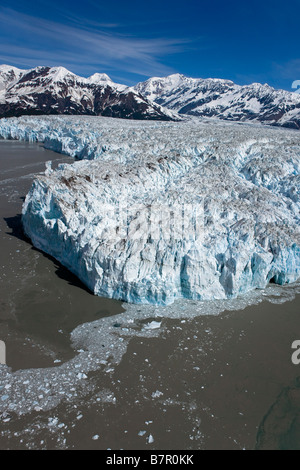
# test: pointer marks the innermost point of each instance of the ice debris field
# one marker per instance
(33, 390)
(151, 212)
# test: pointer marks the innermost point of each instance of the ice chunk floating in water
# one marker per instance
(154, 212)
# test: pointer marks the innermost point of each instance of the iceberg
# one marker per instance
(151, 212)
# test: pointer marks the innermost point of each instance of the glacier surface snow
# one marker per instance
(151, 212)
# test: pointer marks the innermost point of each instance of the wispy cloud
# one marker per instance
(289, 70)
(86, 45)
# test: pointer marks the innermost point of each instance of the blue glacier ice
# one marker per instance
(150, 212)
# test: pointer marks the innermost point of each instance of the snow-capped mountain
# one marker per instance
(224, 99)
(56, 90)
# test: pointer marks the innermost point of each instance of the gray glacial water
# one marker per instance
(41, 301)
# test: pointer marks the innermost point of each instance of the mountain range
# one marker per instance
(224, 99)
(55, 90)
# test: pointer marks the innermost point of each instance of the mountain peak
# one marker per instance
(59, 73)
(99, 78)
(102, 79)
(177, 76)
(8, 68)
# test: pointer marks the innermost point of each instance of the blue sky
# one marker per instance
(244, 41)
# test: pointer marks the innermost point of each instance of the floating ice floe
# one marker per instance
(152, 325)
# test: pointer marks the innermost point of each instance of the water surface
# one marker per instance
(41, 301)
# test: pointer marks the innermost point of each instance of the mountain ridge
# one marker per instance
(224, 99)
(56, 90)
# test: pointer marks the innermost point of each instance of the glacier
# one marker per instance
(151, 212)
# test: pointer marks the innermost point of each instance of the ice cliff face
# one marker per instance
(159, 211)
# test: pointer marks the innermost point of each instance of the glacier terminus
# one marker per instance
(150, 212)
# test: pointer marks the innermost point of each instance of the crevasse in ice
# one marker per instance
(151, 212)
